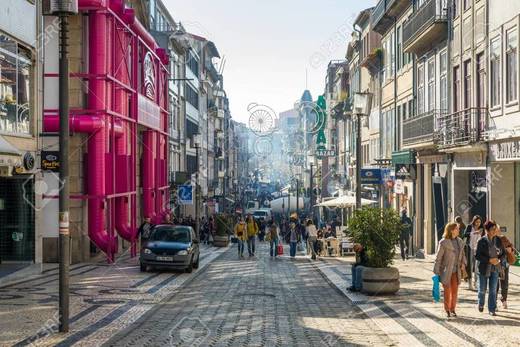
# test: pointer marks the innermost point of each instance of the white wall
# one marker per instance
(22, 27)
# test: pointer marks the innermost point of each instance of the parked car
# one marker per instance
(172, 246)
(263, 214)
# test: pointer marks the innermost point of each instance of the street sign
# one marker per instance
(185, 193)
(405, 171)
(321, 153)
(371, 176)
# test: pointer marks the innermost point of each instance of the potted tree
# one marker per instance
(377, 230)
(224, 227)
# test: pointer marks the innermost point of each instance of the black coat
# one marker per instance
(482, 254)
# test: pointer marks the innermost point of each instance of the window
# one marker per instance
(192, 97)
(511, 65)
(455, 8)
(431, 84)
(399, 49)
(495, 71)
(193, 64)
(410, 109)
(443, 81)
(15, 87)
(467, 4)
(420, 89)
(467, 84)
(481, 82)
(456, 88)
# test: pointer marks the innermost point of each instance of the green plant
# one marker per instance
(224, 224)
(377, 230)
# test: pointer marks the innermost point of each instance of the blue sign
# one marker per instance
(371, 176)
(185, 194)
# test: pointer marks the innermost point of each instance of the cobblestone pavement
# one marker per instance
(104, 300)
(261, 302)
(411, 318)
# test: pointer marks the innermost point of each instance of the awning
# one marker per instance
(9, 155)
(345, 201)
(406, 157)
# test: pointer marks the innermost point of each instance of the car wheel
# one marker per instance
(196, 265)
(189, 269)
(142, 267)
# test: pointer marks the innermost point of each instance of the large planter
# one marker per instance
(220, 241)
(380, 281)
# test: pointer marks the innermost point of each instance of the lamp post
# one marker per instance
(195, 142)
(361, 107)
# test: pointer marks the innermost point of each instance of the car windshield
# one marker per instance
(260, 213)
(170, 234)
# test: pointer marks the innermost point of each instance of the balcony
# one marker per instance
(426, 27)
(419, 130)
(385, 13)
(461, 128)
(371, 55)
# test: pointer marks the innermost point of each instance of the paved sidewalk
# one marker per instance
(411, 318)
(104, 300)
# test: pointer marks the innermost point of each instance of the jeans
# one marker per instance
(357, 277)
(273, 251)
(311, 246)
(251, 245)
(483, 284)
(292, 249)
(240, 247)
(503, 285)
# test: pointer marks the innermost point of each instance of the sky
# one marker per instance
(273, 49)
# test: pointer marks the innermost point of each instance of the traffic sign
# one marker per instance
(185, 193)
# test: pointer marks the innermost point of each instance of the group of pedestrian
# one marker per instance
(485, 254)
(245, 232)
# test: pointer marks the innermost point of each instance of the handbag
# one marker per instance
(279, 249)
(463, 273)
(511, 257)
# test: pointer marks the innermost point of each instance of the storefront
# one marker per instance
(503, 182)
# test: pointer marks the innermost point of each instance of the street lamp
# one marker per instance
(196, 143)
(361, 107)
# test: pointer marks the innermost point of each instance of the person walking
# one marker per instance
(273, 236)
(312, 237)
(240, 231)
(503, 283)
(472, 234)
(449, 265)
(404, 237)
(252, 231)
(490, 255)
(293, 239)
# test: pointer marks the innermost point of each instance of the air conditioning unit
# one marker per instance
(57, 7)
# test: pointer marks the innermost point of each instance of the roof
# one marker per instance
(363, 17)
(209, 44)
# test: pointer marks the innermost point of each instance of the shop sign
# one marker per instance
(405, 171)
(321, 153)
(149, 76)
(505, 151)
(148, 112)
(399, 186)
(371, 176)
(50, 161)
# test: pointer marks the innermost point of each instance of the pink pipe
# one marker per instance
(129, 18)
(97, 143)
(148, 173)
(92, 4)
(78, 123)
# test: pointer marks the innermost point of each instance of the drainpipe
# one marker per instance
(148, 172)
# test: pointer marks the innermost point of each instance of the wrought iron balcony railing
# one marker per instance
(461, 128)
(418, 130)
(385, 12)
(426, 26)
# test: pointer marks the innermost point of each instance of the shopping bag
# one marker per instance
(279, 249)
(436, 288)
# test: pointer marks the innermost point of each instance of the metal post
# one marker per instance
(197, 194)
(64, 237)
(358, 163)
(298, 197)
(311, 191)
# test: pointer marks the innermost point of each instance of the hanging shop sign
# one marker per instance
(322, 153)
(371, 176)
(505, 151)
(148, 112)
(149, 76)
(399, 186)
(50, 161)
(185, 194)
(405, 171)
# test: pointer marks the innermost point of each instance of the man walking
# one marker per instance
(252, 231)
(144, 230)
(404, 237)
